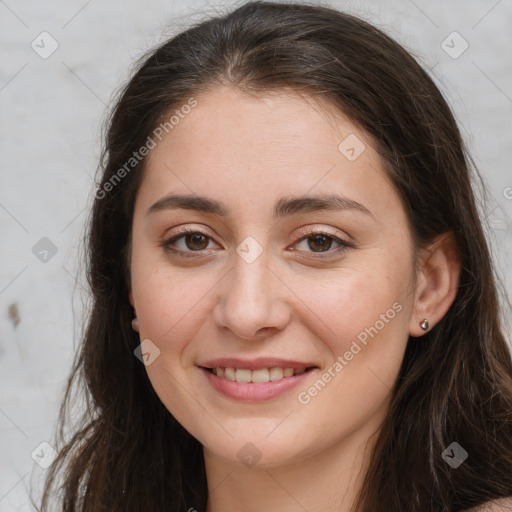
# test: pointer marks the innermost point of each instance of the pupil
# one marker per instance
(318, 240)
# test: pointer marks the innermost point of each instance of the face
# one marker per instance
(297, 256)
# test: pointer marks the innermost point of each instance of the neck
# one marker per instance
(329, 481)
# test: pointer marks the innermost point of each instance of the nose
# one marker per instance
(252, 300)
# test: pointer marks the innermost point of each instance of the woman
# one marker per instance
(294, 306)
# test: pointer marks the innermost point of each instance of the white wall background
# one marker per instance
(51, 113)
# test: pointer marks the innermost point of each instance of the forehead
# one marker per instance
(250, 149)
(228, 122)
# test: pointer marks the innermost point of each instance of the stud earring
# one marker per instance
(424, 324)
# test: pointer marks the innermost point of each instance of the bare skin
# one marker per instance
(206, 301)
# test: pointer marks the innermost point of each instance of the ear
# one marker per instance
(437, 283)
(135, 320)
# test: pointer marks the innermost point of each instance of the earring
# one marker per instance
(424, 324)
(135, 322)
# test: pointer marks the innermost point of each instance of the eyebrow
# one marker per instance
(286, 206)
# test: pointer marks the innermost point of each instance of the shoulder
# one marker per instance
(501, 505)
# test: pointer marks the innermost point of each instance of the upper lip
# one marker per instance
(254, 364)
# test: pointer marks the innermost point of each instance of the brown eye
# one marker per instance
(186, 243)
(196, 241)
(320, 243)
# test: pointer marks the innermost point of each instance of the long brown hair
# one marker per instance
(127, 452)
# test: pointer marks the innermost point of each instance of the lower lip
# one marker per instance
(254, 391)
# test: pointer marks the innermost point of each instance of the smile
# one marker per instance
(246, 385)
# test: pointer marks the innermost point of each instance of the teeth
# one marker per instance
(260, 375)
(243, 375)
(229, 373)
(276, 373)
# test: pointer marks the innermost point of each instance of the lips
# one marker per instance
(251, 391)
(255, 379)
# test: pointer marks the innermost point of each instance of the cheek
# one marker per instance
(360, 317)
(171, 301)
(363, 326)
(170, 305)
(344, 304)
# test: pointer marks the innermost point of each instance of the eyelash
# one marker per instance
(344, 246)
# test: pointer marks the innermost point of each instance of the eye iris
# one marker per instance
(318, 239)
(195, 238)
